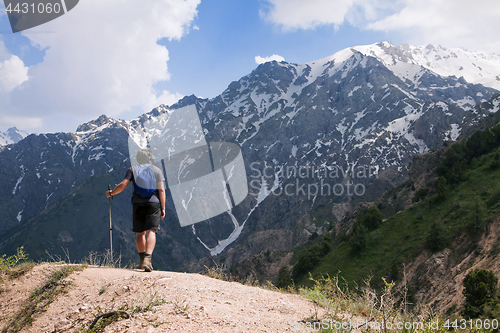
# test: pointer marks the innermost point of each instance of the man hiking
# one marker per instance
(148, 202)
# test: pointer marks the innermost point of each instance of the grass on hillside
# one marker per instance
(16, 265)
(367, 310)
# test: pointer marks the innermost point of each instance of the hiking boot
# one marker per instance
(148, 267)
(141, 262)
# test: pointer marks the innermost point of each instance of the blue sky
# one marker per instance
(124, 57)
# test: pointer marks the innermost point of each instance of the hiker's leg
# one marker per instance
(140, 241)
(150, 246)
(150, 241)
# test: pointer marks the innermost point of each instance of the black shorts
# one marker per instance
(146, 216)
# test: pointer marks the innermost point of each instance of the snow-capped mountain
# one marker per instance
(310, 134)
(13, 135)
(405, 60)
(352, 108)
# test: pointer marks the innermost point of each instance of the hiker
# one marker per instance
(148, 205)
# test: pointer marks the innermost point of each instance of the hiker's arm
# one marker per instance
(118, 189)
(161, 191)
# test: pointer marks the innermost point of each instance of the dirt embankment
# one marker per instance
(158, 302)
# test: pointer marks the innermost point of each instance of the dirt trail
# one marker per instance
(185, 303)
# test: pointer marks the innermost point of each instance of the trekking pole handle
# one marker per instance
(109, 189)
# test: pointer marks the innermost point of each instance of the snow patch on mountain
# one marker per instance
(453, 133)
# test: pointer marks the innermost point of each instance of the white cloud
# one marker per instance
(28, 123)
(260, 60)
(12, 74)
(166, 98)
(300, 14)
(12, 71)
(451, 23)
(102, 59)
(4, 53)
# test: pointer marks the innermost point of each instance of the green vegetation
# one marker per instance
(105, 259)
(149, 302)
(480, 288)
(15, 265)
(103, 320)
(218, 272)
(421, 194)
(284, 278)
(436, 239)
(462, 155)
(370, 219)
(311, 256)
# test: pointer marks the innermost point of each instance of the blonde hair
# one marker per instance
(144, 156)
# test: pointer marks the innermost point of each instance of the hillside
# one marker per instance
(158, 301)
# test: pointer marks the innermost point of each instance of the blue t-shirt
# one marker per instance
(136, 198)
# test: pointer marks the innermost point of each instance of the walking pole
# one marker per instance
(110, 226)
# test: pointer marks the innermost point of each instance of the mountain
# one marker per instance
(339, 129)
(13, 135)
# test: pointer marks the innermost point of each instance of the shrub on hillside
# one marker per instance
(15, 265)
(366, 221)
(436, 240)
(480, 287)
(477, 222)
(284, 279)
(421, 193)
(371, 218)
(357, 242)
(461, 154)
(495, 163)
(442, 188)
(310, 257)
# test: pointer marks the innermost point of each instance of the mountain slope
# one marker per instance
(310, 134)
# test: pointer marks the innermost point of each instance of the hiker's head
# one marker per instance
(144, 156)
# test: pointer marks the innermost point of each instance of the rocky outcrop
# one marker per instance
(422, 170)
